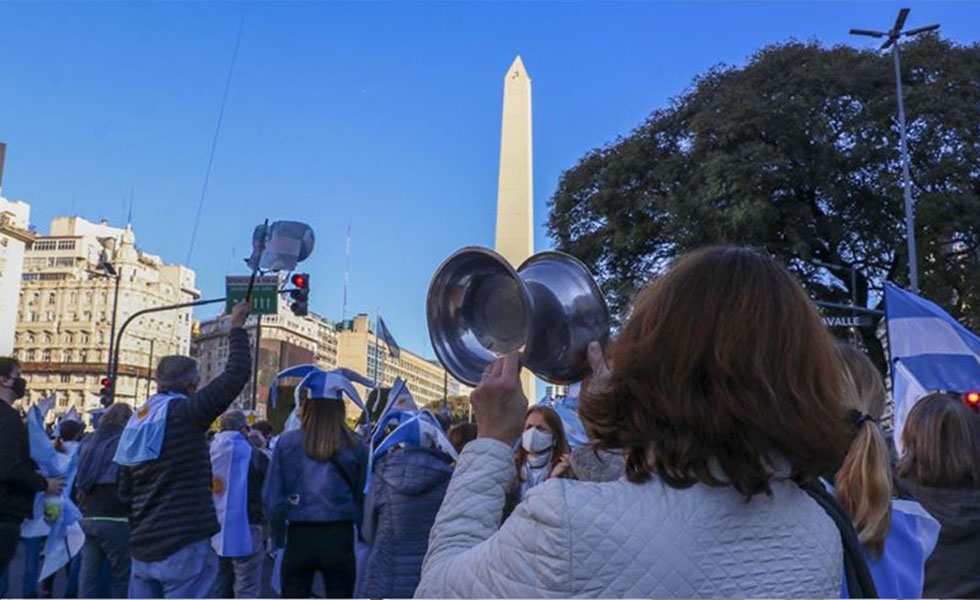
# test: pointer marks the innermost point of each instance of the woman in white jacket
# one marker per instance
(724, 394)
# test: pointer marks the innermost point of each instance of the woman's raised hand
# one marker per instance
(499, 404)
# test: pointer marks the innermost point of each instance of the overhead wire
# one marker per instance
(214, 140)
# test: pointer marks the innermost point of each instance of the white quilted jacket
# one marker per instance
(618, 539)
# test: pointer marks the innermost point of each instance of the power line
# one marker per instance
(214, 141)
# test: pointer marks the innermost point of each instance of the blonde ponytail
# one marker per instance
(864, 486)
(864, 480)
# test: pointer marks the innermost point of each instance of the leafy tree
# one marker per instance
(797, 153)
(459, 408)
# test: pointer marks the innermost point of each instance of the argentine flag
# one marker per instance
(54, 516)
(929, 351)
(231, 455)
(142, 439)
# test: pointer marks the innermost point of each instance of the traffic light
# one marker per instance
(300, 295)
(973, 400)
(105, 395)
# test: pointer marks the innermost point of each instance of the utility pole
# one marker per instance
(893, 36)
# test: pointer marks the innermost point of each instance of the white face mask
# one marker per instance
(535, 441)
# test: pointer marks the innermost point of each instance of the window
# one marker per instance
(73, 298)
(44, 245)
(62, 402)
(65, 378)
(29, 277)
(69, 337)
(30, 355)
(49, 316)
(84, 337)
(88, 316)
(83, 356)
(47, 338)
(46, 356)
(66, 244)
(65, 261)
(52, 297)
(66, 356)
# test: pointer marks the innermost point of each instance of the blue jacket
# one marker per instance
(300, 489)
(407, 488)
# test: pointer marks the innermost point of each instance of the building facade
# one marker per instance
(426, 379)
(65, 317)
(285, 340)
(15, 238)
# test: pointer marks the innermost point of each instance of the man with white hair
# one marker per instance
(172, 515)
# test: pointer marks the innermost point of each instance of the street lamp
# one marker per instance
(110, 270)
(893, 36)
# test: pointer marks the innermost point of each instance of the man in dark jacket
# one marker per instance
(172, 516)
(20, 480)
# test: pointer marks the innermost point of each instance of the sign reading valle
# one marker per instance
(265, 293)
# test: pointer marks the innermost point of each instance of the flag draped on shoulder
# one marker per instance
(567, 409)
(231, 455)
(142, 439)
(929, 351)
(389, 339)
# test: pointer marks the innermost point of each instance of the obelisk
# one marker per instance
(515, 191)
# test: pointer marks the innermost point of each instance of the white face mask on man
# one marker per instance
(535, 440)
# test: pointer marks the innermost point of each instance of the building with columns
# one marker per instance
(65, 316)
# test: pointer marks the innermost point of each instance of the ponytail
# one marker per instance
(864, 480)
(864, 486)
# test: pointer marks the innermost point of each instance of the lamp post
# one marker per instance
(893, 36)
(109, 270)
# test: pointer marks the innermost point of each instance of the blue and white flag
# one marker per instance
(567, 409)
(422, 430)
(54, 516)
(929, 351)
(399, 400)
(45, 405)
(389, 339)
(142, 439)
(231, 455)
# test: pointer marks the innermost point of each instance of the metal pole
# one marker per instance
(854, 303)
(906, 178)
(112, 334)
(115, 359)
(255, 373)
(149, 369)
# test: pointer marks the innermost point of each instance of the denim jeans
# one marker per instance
(187, 573)
(106, 545)
(242, 577)
(32, 565)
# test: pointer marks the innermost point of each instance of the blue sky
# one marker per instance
(386, 115)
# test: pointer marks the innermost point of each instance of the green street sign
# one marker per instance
(265, 293)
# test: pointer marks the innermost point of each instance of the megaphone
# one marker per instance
(480, 308)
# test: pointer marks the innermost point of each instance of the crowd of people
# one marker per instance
(728, 432)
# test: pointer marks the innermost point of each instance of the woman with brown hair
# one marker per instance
(940, 468)
(724, 394)
(544, 450)
(313, 496)
(897, 535)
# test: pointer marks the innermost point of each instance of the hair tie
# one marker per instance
(858, 418)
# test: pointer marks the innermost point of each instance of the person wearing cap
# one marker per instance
(313, 493)
(172, 515)
(239, 472)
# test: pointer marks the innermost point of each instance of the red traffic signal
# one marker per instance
(300, 295)
(105, 382)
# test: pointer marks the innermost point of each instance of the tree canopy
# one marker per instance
(798, 153)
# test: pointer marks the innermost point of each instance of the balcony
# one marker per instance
(10, 228)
